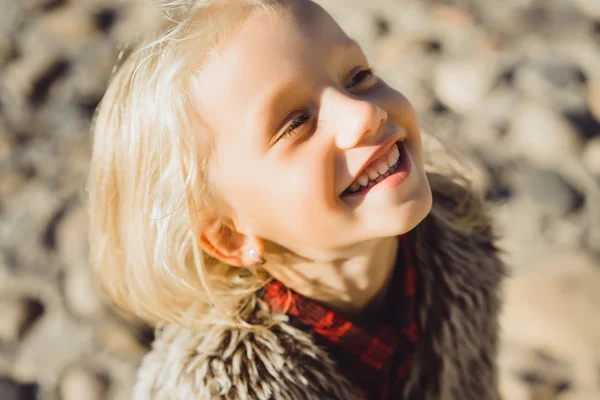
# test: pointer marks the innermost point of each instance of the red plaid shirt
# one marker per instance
(375, 357)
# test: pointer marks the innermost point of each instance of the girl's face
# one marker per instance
(300, 124)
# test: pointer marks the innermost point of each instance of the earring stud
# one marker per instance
(258, 258)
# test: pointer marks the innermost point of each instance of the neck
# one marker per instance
(346, 283)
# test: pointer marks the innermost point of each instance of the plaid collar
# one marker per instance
(375, 357)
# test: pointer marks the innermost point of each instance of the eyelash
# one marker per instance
(368, 71)
(296, 123)
(300, 120)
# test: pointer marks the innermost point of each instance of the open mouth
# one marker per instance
(392, 161)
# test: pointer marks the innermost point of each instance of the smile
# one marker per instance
(395, 161)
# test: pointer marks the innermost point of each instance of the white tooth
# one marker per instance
(382, 168)
(363, 180)
(392, 159)
(354, 187)
(373, 174)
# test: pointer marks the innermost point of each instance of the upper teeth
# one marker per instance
(377, 170)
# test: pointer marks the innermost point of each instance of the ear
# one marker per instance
(223, 242)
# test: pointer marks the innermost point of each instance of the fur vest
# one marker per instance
(457, 305)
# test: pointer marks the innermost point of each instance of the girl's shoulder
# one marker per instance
(228, 362)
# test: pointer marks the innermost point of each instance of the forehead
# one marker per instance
(269, 50)
(285, 30)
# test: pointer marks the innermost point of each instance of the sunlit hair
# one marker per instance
(149, 184)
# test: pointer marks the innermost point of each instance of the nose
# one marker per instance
(358, 119)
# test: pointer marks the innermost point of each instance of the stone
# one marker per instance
(24, 83)
(81, 384)
(82, 294)
(495, 16)
(556, 82)
(499, 104)
(556, 21)
(589, 394)
(9, 17)
(456, 31)
(13, 180)
(58, 342)
(362, 25)
(9, 389)
(570, 231)
(27, 215)
(549, 190)
(543, 136)
(13, 315)
(519, 221)
(17, 316)
(559, 73)
(45, 5)
(67, 23)
(136, 20)
(13, 390)
(512, 388)
(7, 50)
(121, 341)
(80, 289)
(525, 372)
(547, 307)
(485, 130)
(543, 392)
(593, 97)
(6, 145)
(71, 238)
(462, 84)
(591, 8)
(591, 156)
(91, 72)
(584, 52)
(593, 216)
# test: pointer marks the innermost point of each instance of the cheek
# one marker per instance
(269, 196)
(235, 175)
(297, 197)
(306, 183)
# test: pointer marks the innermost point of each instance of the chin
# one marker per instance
(409, 214)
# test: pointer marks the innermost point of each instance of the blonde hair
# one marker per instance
(149, 184)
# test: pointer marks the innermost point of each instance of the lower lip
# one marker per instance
(394, 180)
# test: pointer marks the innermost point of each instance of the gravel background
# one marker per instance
(514, 85)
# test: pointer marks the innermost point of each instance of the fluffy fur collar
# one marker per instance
(458, 305)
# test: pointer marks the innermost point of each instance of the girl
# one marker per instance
(260, 195)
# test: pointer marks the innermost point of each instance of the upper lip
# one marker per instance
(378, 153)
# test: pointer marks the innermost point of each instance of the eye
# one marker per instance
(294, 125)
(360, 77)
